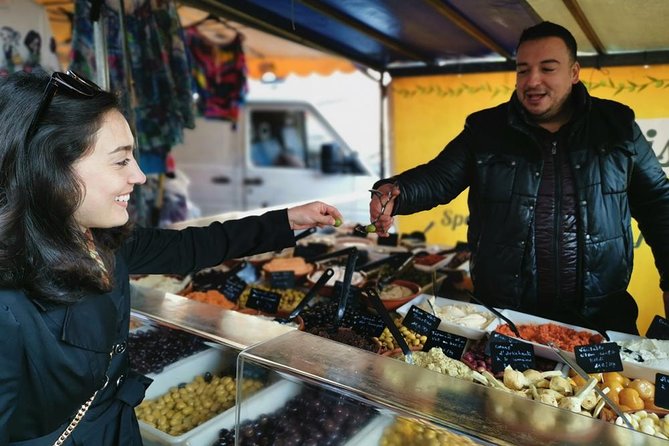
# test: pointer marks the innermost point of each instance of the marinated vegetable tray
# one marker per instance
(563, 334)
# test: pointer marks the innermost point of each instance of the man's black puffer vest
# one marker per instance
(615, 174)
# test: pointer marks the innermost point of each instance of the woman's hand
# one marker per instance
(313, 214)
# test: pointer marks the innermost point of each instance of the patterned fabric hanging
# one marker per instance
(219, 75)
(161, 97)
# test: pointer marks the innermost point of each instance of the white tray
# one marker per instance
(542, 350)
(185, 370)
(633, 369)
(470, 333)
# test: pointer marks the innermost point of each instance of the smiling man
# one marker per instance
(554, 178)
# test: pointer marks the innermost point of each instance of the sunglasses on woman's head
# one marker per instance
(68, 83)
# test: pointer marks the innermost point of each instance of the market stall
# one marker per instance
(351, 360)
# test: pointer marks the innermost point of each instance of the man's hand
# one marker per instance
(380, 215)
(313, 214)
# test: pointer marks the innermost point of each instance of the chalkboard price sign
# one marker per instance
(662, 390)
(232, 288)
(420, 321)
(658, 329)
(599, 358)
(498, 337)
(509, 351)
(451, 344)
(282, 279)
(265, 301)
(368, 325)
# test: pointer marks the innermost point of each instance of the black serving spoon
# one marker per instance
(305, 233)
(376, 302)
(346, 285)
(331, 255)
(327, 274)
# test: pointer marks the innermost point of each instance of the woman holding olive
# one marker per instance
(66, 249)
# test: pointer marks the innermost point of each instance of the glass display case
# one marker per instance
(297, 388)
(323, 392)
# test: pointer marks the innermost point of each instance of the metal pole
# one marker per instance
(382, 126)
(100, 42)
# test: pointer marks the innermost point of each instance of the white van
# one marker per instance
(279, 152)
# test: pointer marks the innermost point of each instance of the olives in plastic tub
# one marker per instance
(210, 363)
(152, 349)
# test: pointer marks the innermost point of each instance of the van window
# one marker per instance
(278, 139)
(288, 138)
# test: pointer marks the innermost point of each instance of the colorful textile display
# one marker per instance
(219, 75)
(161, 99)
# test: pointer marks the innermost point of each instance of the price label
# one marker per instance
(659, 328)
(368, 325)
(509, 351)
(391, 240)
(451, 344)
(282, 279)
(265, 301)
(232, 288)
(420, 321)
(596, 358)
(497, 337)
(662, 390)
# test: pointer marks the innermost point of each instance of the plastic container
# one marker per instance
(264, 402)
(212, 360)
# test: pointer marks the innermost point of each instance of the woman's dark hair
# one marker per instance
(550, 29)
(42, 249)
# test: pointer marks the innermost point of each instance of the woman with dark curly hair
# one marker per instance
(66, 249)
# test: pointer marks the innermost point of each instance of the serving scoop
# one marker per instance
(327, 274)
(375, 300)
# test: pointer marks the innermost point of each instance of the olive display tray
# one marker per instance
(268, 401)
(184, 371)
(263, 402)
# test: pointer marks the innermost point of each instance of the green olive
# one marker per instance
(370, 228)
(337, 222)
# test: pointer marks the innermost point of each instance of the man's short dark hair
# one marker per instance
(549, 29)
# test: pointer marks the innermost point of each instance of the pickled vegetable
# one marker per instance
(630, 398)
